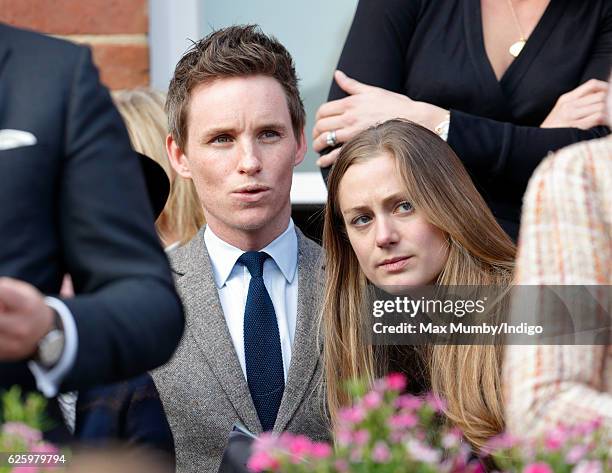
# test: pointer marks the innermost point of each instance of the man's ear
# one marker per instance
(177, 158)
(301, 149)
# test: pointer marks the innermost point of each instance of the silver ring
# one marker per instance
(331, 138)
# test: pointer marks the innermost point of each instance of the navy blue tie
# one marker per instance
(262, 348)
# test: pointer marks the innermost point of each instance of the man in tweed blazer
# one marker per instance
(236, 129)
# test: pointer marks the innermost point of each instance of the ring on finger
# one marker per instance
(331, 138)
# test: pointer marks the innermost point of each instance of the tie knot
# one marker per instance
(254, 261)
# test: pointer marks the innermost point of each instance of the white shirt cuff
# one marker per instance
(49, 380)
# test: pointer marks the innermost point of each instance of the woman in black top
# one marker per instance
(427, 58)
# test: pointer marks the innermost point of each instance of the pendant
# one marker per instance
(516, 48)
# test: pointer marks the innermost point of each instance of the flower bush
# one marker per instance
(21, 440)
(579, 449)
(385, 431)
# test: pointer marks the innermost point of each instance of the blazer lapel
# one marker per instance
(207, 324)
(306, 352)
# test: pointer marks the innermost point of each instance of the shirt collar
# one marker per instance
(283, 250)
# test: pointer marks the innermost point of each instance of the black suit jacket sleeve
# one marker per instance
(129, 318)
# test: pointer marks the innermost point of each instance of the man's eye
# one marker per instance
(361, 220)
(222, 139)
(405, 207)
(270, 135)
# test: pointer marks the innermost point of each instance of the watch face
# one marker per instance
(50, 348)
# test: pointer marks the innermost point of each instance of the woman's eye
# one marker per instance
(361, 220)
(404, 207)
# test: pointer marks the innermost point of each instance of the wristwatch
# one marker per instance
(51, 346)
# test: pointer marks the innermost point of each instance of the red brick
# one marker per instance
(77, 16)
(122, 66)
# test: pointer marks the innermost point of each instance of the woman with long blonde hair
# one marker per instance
(143, 112)
(402, 211)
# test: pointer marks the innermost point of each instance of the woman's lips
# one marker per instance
(393, 265)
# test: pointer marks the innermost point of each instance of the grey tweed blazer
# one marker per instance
(203, 388)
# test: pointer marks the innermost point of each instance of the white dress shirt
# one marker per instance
(280, 274)
(48, 380)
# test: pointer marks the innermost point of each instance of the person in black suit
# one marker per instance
(74, 202)
(503, 82)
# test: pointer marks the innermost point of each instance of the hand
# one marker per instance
(24, 319)
(365, 106)
(584, 107)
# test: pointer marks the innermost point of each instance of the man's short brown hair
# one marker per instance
(231, 52)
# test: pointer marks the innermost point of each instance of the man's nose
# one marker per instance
(249, 159)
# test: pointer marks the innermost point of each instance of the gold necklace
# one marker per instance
(516, 48)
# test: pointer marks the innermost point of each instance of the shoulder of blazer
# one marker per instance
(25, 40)
(41, 61)
(183, 257)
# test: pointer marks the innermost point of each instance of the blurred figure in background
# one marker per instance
(143, 113)
(565, 239)
(131, 411)
(77, 205)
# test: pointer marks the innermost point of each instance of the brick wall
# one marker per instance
(116, 30)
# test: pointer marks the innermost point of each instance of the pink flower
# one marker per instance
(344, 437)
(538, 467)
(500, 442)
(476, 466)
(381, 453)
(396, 381)
(556, 438)
(351, 415)
(589, 427)
(299, 448)
(452, 439)
(576, 453)
(342, 466)
(361, 437)
(586, 466)
(320, 450)
(372, 400)
(403, 421)
(28, 434)
(266, 442)
(284, 441)
(45, 448)
(356, 455)
(436, 402)
(262, 461)
(408, 401)
(26, 469)
(379, 385)
(420, 452)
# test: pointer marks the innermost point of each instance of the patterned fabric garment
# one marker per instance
(565, 239)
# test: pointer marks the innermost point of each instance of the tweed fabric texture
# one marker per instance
(565, 239)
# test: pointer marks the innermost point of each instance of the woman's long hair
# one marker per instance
(479, 253)
(143, 112)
